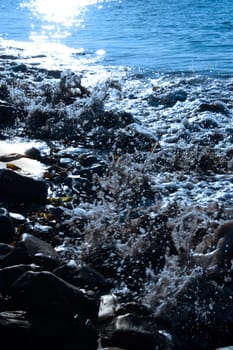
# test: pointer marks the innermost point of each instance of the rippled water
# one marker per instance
(157, 35)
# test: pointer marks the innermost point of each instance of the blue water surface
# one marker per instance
(158, 35)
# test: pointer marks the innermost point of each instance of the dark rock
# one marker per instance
(88, 159)
(88, 172)
(44, 232)
(5, 249)
(7, 228)
(4, 91)
(13, 324)
(19, 68)
(8, 57)
(36, 120)
(208, 123)
(83, 276)
(70, 87)
(17, 218)
(22, 188)
(62, 332)
(56, 74)
(33, 153)
(31, 249)
(134, 333)
(129, 139)
(105, 119)
(105, 258)
(224, 250)
(45, 293)
(8, 114)
(217, 107)
(203, 311)
(9, 274)
(133, 308)
(168, 99)
(48, 124)
(132, 138)
(84, 188)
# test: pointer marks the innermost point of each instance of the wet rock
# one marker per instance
(133, 308)
(31, 249)
(203, 311)
(88, 159)
(217, 107)
(19, 68)
(37, 119)
(5, 249)
(83, 276)
(70, 87)
(43, 292)
(208, 123)
(157, 240)
(84, 187)
(133, 138)
(8, 57)
(105, 119)
(4, 91)
(107, 307)
(56, 74)
(33, 153)
(224, 250)
(113, 348)
(168, 99)
(13, 324)
(22, 188)
(104, 257)
(133, 333)
(211, 138)
(7, 228)
(8, 114)
(44, 232)
(88, 172)
(17, 218)
(47, 124)
(63, 333)
(10, 274)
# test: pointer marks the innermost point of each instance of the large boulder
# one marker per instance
(43, 292)
(22, 188)
(30, 249)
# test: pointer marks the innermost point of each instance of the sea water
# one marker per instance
(169, 63)
(164, 36)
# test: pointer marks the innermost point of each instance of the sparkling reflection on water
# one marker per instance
(54, 20)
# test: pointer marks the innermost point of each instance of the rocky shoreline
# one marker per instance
(90, 256)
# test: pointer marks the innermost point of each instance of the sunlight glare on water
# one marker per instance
(56, 18)
(66, 13)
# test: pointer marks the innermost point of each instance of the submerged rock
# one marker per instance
(217, 107)
(168, 99)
